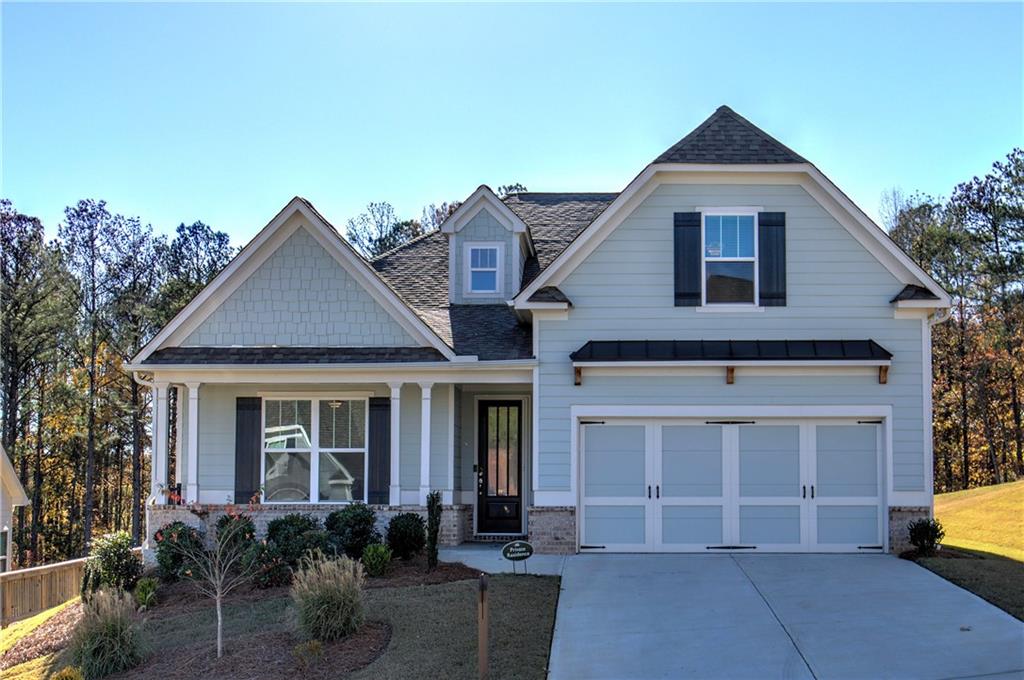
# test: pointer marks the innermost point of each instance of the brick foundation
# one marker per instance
(899, 517)
(456, 520)
(552, 530)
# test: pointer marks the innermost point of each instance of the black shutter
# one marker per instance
(687, 259)
(771, 251)
(247, 447)
(379, 451)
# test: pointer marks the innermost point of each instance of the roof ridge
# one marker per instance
(725, 148)
(404, 245)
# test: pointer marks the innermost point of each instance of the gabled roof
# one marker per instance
(728, 137)
(10, 482)
(260, 248)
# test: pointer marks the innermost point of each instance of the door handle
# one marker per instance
(805, 491)
(657, 491)
(812, 491)
(648, 490)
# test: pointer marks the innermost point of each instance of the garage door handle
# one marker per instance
(648, 490)
(805, 491)
(812, 491)
(657, 491)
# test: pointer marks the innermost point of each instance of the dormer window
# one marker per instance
(483, 268)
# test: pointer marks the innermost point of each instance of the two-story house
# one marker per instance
(727, 355)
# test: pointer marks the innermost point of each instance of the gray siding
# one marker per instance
(483, 227)
(217, 433)
(300, 296)
(836, 290)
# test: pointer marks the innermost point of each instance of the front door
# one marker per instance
(499, 508)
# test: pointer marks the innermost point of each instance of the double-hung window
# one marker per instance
(730, 258)
(483, 271)
(314, 450)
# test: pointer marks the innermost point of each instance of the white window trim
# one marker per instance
(729, 306)
(314, 450)
(499, 270)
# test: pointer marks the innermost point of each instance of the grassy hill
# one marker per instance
(990, 519)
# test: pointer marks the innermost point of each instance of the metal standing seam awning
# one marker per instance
(731, 353)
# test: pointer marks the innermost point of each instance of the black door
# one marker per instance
(499, 463)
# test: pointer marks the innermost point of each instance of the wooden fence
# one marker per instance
(27, 592)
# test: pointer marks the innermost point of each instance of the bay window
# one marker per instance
(314, 450)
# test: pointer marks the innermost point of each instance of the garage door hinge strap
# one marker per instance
(591, 422)
(730, 547)
(729, 422)
(591, 547)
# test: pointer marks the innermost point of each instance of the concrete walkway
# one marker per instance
(774, 616)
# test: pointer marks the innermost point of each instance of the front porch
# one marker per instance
(280, 446)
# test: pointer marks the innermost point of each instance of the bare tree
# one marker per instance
(218, 570)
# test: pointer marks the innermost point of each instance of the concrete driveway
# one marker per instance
(775, 616)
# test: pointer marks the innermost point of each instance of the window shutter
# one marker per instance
(379, 451)
(687, 259)
(771, 247)
(247, 447)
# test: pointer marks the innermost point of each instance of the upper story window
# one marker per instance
(483, 268)
(730, 259)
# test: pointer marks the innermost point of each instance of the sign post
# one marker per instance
(482, 624)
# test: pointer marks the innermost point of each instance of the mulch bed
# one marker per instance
(181, 598)
(52, 636)
(268, 655)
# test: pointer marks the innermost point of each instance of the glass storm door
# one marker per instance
(499, 465)
(617, 508)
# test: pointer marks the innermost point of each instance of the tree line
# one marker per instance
(973, 244)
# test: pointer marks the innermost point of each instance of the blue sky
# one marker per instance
(179, 112)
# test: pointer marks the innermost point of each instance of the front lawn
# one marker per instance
(989, 519)
(997, 579)
(432, 631)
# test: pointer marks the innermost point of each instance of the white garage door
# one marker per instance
(706, 486)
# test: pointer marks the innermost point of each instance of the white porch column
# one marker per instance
(158, 464)
(192, 444)
(425, 441)
(395, 488)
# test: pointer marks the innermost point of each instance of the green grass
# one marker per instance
(993, 578)
(434, 631)
(988, 519)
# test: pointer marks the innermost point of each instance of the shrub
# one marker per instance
(269, 568)
(68, 673)
(328, 596)
(111, 564)
(169, 558)
(145, 593)
(376, 559)
(925, 535)
(308, 653)
(242, 529)
(355, 527)
(433, 527)
(406, 535)
(291, 534)
(107, 639)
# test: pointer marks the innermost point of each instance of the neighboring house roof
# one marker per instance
(912, 292)
(291, 355)
(730, 350)
(728, 137)
(9, 480)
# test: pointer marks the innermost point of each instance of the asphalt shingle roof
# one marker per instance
(292, 355)
(550, 294)
(728, 138)
(912, 292)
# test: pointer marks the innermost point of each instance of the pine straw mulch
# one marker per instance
(267, 655)
(181, 597)
(51, 636)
